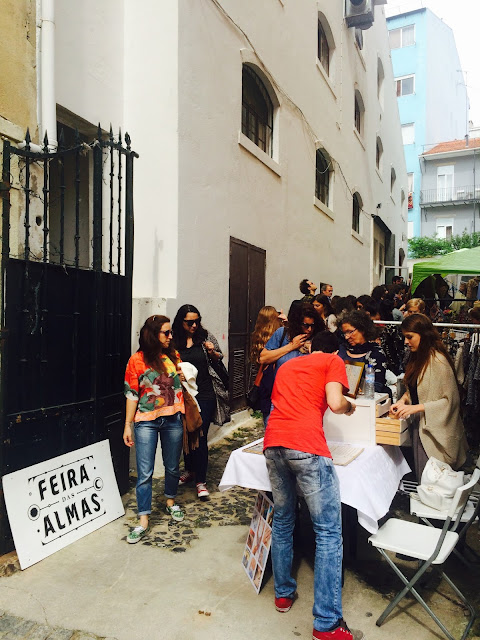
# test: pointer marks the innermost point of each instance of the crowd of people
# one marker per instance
(298, 364)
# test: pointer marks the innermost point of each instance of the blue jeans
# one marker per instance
(318, 482)
(170, 429)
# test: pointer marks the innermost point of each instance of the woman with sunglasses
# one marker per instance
(360, 334)
(199, 347)
(154, 406)
(292, 341)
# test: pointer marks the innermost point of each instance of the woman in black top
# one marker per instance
(199, 347)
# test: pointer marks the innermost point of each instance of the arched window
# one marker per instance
(325, 45)
(379, 154)
(322, 177)
(358, 113)
(257, 110)
(357, 207)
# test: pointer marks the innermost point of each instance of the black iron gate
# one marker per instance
(65, 304)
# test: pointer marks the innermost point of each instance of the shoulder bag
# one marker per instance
(253, 396)
(192, 423)
(439, 483)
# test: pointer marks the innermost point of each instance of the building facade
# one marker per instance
(252, 175)
(432, 96)
(450, 194)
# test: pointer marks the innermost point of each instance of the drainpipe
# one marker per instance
(48, 105)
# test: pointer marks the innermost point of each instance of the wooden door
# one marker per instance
(246, 298)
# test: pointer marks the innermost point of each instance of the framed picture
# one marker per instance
(258, 542)
(354, 377)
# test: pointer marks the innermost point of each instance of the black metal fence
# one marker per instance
(65, 299)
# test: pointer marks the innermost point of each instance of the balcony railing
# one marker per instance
(450, 194)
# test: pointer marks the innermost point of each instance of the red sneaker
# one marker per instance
(186, 476)
(284, 604)
(340, 632)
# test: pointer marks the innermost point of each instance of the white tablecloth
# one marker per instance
(368, 484)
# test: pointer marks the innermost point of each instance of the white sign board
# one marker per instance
(56, 502)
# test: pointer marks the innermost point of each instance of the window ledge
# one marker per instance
(357, 236)
(323, 208)
(359, 137)
(379, 174)
(326, 77)
(252, 148)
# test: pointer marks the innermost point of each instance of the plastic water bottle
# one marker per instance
(369, 391)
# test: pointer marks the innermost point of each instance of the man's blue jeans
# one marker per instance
(319, 485)
(170, 429)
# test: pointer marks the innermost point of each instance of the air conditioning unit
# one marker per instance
(359, 13)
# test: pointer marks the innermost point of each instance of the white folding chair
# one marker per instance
(472, 509)
(430, 546)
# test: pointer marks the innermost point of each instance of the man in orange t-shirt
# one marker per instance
(296, 452)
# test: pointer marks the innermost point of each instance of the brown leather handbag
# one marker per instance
(192, 423)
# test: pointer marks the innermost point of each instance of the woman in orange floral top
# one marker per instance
(154, 406)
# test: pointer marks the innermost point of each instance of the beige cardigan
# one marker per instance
(441, 428)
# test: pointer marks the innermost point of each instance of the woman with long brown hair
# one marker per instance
(155, 406)
(268, 321)
(432, 397)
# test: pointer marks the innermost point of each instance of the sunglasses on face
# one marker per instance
(167, 334)
(308, 325)
(190, 323)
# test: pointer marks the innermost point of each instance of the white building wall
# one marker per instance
(89, 44)
(446, 94)
(170, 74)
(224, 190)
(151, 117)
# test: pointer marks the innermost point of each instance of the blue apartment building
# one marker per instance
(432, 97)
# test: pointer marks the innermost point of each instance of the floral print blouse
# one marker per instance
(157, 394)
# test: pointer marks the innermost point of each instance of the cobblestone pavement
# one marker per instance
(222, 509)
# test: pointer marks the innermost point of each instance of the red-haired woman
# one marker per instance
(268, 321)
(154, 406)
(432, 397)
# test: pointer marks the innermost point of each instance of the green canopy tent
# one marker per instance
(463, 261)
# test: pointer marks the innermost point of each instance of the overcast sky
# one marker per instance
(463, 16)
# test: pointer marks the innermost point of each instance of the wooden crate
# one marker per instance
(395, 425)
(391, 431)
(389, 437)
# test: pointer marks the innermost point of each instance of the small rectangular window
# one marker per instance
(408, 36)
(402, 37)
(408, 133)
(411, 182)
(405, 86)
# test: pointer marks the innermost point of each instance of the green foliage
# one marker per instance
(429, 247)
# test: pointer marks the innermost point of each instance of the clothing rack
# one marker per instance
(452, 325)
